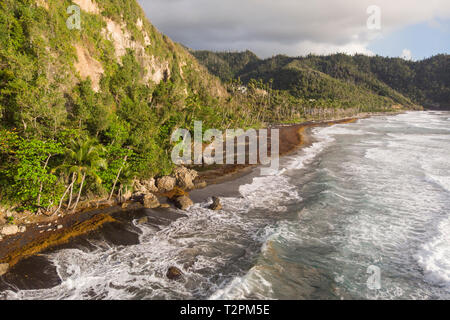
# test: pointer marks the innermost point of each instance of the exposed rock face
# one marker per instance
(216, 205)
(3, 268)
(185, 177)
(9, 230)
(183, 202)
(88, 67)
(166, 184)
(150, 201)
(88, 6)
(174, 273)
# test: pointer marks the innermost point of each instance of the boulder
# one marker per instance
(127, 196)
(150, 185)
(22, 229)
(138, 187)
(201, 184)
(183, 202)
(185, 177)
(166, 184)
(150, 201)
(3, 268)
(9, 230)
(174, 273)
(142, 220)
(216, 205)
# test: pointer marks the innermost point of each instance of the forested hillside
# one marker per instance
(340, 76)
(85, 111)
(78, 106)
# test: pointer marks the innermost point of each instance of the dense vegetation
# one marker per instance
(66, 136)
(341, 77)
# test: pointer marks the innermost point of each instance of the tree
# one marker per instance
(84, 160)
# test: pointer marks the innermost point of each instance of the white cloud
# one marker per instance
(406, 54)
(293, 27)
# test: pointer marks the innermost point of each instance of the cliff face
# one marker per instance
(45, 53)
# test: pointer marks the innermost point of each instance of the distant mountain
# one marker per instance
(425, 82)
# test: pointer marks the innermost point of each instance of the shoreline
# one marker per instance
(55, 231)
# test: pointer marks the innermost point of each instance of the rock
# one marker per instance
(127, 195)
(185, 177)
(183, 202)
(174, 273)
(9, 230)
(143, 220)
(166, 184)
(3, 268)
(201, 184)
(60, 227)
(144, 186)
(150, 201)
(165, 206)
(22, 229)
(216, 205)
(150, 185)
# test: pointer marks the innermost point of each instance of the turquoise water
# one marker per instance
(363, 213)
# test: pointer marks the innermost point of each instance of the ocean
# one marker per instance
(361, 213)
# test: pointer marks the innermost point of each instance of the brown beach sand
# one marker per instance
(41, 237)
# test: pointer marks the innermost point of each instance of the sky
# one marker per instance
(411, 29)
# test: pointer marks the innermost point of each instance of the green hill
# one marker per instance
(342, 77)
(84, 111)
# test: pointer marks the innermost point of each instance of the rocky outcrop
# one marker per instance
(216, 205)
(166, 184)
(9, 230)
(150, 201)
(145, 186)
(3, 268)
(183, 202)
(185, 178)
(174, 273)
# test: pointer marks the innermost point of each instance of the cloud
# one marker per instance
(291, 27)
(406, 54)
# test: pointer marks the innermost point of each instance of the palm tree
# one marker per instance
(86, 159)
(83, 159)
